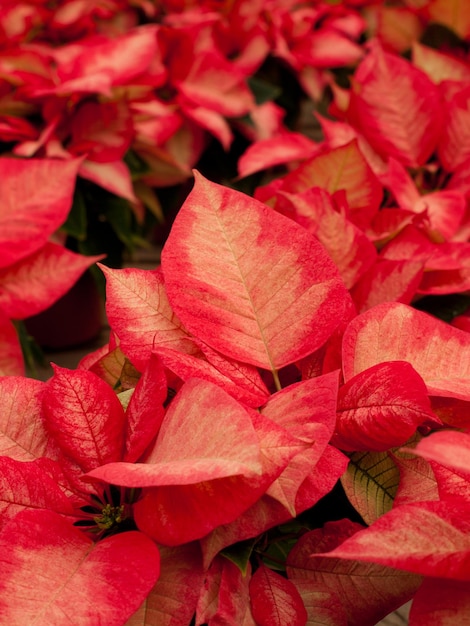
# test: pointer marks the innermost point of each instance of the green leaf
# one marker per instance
(239, 554)
(444, 307)
(370, 483)
(32, 354)
(279, 542)
(263, 91)
(77, 221)
(137, 166)
(148, 196)
(119, 215)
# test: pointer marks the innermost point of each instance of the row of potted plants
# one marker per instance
(277, 431)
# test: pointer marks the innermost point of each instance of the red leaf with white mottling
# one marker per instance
(114, 176)
(323, 605)
(350, 249)
(35, 200)
(239, 284)
(145, 412)
(387, 281)
(96, 63)
(439, 352)
(25, 485)
(278, 150)
(23, 434)
(454, 144)
(450, 482)
(172, 601)
(225, 596)
(52, 572)
(441, 602)
(32, 284)
(387, 588)
(396, 107)
(381, 407)
(241, 381)
(417, 480)
(342, 168)
(444, 209)
(216, 84)
(306, 410)
(179, 513)
(175, 459)
(268, 512)
(274, 600)
(212, 121)
(101, 130)
(448, 447)
(139, 313)
(405, 538)
(85, 417)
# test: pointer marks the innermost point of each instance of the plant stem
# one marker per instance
(277, 382)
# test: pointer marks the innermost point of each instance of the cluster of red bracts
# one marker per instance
(100, 483)
(274, 353)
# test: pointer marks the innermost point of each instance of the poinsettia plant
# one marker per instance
(179, 473)
(276, 433)
(35, 270)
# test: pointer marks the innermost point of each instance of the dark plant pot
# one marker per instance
(77, 318)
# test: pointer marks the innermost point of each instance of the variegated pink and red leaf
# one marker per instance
(381, 408)
(84, 417)
(36, 198)
(79, 580)
(239, 275)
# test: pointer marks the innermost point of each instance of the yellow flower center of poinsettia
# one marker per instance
(108, 512)
(110, 516)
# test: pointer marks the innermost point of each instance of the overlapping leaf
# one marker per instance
(441, 602)
(275, 151)
(387, 281)
(23, 434)
(208, 454)
(240, 380)
(36, 198)
(396, 107)
(27, 485)
(188, 510)
(393, 331)
(381, 407)
(350, 249)
(172, 601)
(85, 417)
(225, 597)
(81, 582)
(275, 600)
(140, 314)
(417, 479)
(30, 285)
(387, 588)
(428, 538)
(268, 512)
(145, 411)
(371, 482)
(449, 448)
(351, 174)
(239, 276)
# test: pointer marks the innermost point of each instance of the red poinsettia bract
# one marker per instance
(34, 271)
